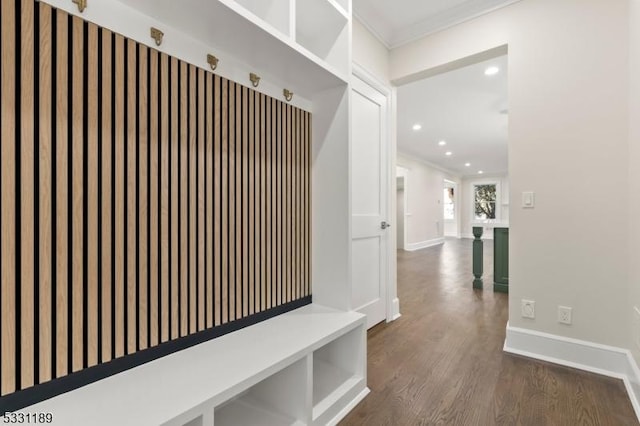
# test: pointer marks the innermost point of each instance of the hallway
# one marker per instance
(442, 361)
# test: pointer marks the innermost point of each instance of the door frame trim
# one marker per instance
(392, 308)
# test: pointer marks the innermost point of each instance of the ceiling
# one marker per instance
(396, 22)
(465, 108)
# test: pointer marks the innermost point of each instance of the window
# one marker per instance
(449, 205)
(485, 201)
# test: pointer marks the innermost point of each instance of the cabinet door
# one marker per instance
(501, 259)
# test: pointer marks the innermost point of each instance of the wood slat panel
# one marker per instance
(8, 175)
(184, 197)
(175, 202)
(154, 199)
(263, 163)
(107, 198)
(267, 234)
(92, 193)
(294, 205)
(62, 195)
(164, 197)
(143, 199)
(305, 204)
(200, 197)
(224, 200)
(280, 149)
(309, 215)
(120, 216)
(243, 261)
(77, 194)
(217, 204)
(27, 195)
(289, 191)
(252, 178)
(192, 208)
(231, 156)
(131, 185)
(46, 153)
(210, 267)
(238, 202)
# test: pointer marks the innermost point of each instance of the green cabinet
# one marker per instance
(501, 260)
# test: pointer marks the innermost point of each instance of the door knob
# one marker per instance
(384, 225)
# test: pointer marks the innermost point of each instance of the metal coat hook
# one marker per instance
(82, 4)
(213, 62)
(288, 95)
(255, 79)
(157, 35)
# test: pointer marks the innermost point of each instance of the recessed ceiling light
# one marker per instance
(448, 153)
(417, 127)
(442, 143)
(467, 164)
(492, 71)
(480, 172)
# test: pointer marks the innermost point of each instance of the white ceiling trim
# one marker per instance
(436, 24)
(424, 28)
(371, 29)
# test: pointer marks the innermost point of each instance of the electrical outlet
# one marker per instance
(528, 308)
(564, 315)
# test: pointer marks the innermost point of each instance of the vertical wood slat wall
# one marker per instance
(142, 199)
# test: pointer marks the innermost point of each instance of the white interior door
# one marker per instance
(369, 198)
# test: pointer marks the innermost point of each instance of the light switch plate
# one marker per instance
(528, 200)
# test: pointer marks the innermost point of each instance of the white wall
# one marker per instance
(568, 128)
(467, 202)
(424, 220)
(369, 52)
(634, 173)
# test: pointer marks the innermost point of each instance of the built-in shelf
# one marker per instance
(257, 34)
(343, 4)
(337, 370)
(329, 385)
(279, 400)
(313, 358)
(322, 28)
(198, 421)
(273, 12)
(246, 412)
(263, 371)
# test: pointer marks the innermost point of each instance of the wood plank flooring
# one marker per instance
(442, 361)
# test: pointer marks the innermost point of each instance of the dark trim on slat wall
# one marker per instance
(25, 398)
(148, 205)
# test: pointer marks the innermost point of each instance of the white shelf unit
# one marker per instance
(322, 27)
(304, 46)
(338, 371)
(279, 400)
(276, 13)
(258, 36)
(261, 375)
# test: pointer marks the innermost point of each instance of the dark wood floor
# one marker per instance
(442, 361)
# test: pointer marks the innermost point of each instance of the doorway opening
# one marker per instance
(401, 207)
(452, 142)
(450, 209)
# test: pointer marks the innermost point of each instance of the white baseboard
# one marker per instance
(424, 244)
(395, 310)
(601, 359)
